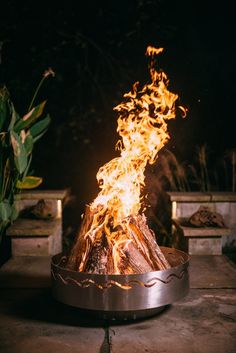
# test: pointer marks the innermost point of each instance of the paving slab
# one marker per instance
(208, 271)
(24, 227)
(42, 194)
(26, 272)
(203, 322)
(180, 196)
(32, 322)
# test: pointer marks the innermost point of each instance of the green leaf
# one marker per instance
(14, 213)
(29, 182)
(20, 154)
(39, 136)
(5, 210)
(28, 166)
(29, 144)
(40, 126)
(30, 117)
(14, 117)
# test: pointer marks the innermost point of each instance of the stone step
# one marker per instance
(54, 198)
(198, 240)
(42, 194)
(35, 237)
(195, 196)
(185, 204)
(38, 237)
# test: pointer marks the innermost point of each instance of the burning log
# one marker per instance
(81, 244)
(147, 239)
(134, 261)
(100, 251)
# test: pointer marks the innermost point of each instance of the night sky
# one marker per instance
(97, 49)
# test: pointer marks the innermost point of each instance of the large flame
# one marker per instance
(142, 126)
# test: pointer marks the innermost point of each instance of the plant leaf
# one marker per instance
(29, 182)
(39, 136)
(14, 212)
(29, 144)
(30, 117)
(5, 210)
(40, 126)
(20, 155)
(14, 117)
(28, 166)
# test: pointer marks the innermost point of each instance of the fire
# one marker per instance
(142, 127)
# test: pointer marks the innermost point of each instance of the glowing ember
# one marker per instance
(114, 237)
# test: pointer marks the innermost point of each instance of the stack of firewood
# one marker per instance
(133, 248)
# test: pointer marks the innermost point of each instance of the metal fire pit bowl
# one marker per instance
(122, 297)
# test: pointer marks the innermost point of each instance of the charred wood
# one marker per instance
(130, 248)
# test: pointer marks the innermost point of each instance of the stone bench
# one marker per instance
(38, 237)
(185, 204)
(198, 240)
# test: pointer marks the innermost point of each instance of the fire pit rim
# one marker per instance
(185, 256)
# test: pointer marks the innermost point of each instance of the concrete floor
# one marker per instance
(31, 321)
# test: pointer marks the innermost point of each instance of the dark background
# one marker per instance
(97, 50)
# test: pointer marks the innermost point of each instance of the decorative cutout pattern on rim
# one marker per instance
(85, 283)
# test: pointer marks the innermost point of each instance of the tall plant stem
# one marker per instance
(36, 92)
(6, 179)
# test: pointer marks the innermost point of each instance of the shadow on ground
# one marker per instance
(39, 305)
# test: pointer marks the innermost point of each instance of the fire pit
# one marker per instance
(123, 297)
